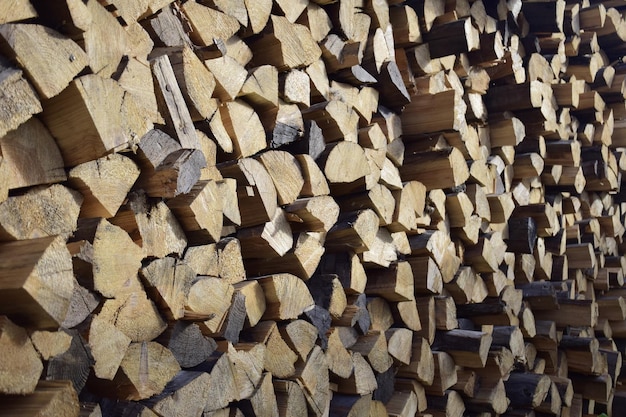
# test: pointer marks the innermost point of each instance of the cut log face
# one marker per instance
(31, 156)
(80, 114)
(21, 367)
(104, 184)
(42, 211)
(38, 273)
(95, 255)
(49, 78)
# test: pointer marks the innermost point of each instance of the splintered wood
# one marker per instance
(312, 208)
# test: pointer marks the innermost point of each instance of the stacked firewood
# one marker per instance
(323, 208)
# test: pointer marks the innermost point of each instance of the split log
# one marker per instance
(104, 184)
(53, 397)
(277, 47)
(94, 248)
(22, 359)
(37, 273)
(41, 211)
(257, 195)
(19, 99)
(79, 112)
(19, 41)
(31, 161)
(167, 170)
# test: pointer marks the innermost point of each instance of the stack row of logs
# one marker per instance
(312, 207)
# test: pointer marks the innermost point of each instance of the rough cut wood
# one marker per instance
(199, 212)
(285, 45)
(173, 106)
(30, 156)
(38, 273)
(94, 250)
(362, 207)
(167, 169)
(21, 367)
(49, 73)
(81, 112)
(52, 397)
(104, 184)
(19, 99)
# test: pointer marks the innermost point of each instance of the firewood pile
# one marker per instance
(312, 208)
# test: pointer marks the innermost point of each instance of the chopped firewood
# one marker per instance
(19, 10)
(286, 296)
(19, 99)
(296, 46)
(21, 367)
(30, 156)
(77, 117)
(153, 228)
(94, 248)
(103, 185)
(255, 189)
(19, 41)
(51, 397)
(38, 274)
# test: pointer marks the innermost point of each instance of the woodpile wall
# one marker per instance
(312, 207)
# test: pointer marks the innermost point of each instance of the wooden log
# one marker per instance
(209, 24)
(108, 347)
(314, 214)
(255, 189)
(289, 398)
(450, 113)
(185, 393)
(129, 382)
(285, 171)
(153, 228)
(22, 359)
(168, 283)
(199, 212)
(104, 183)
(440, 37)
(94, 249)
(34, 161)
(78, 113)
(270, 240)
(172, 103)
(301, 260)
(188, 345)
(53, 397)
(451, 404)
(394, 283)
(468, 348)
(328, 293)
(244, 128)
(355, 314)
(421, 366)
(207, 302)
(23, 216)
(49, 75)
(354, 230)
(104, 58)
(312, 375)
(444, 374)
(277, 47)
(20, 11)
(436, 169)
(362, 381)
(28, 266)
(19, 99)
(280, 302)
